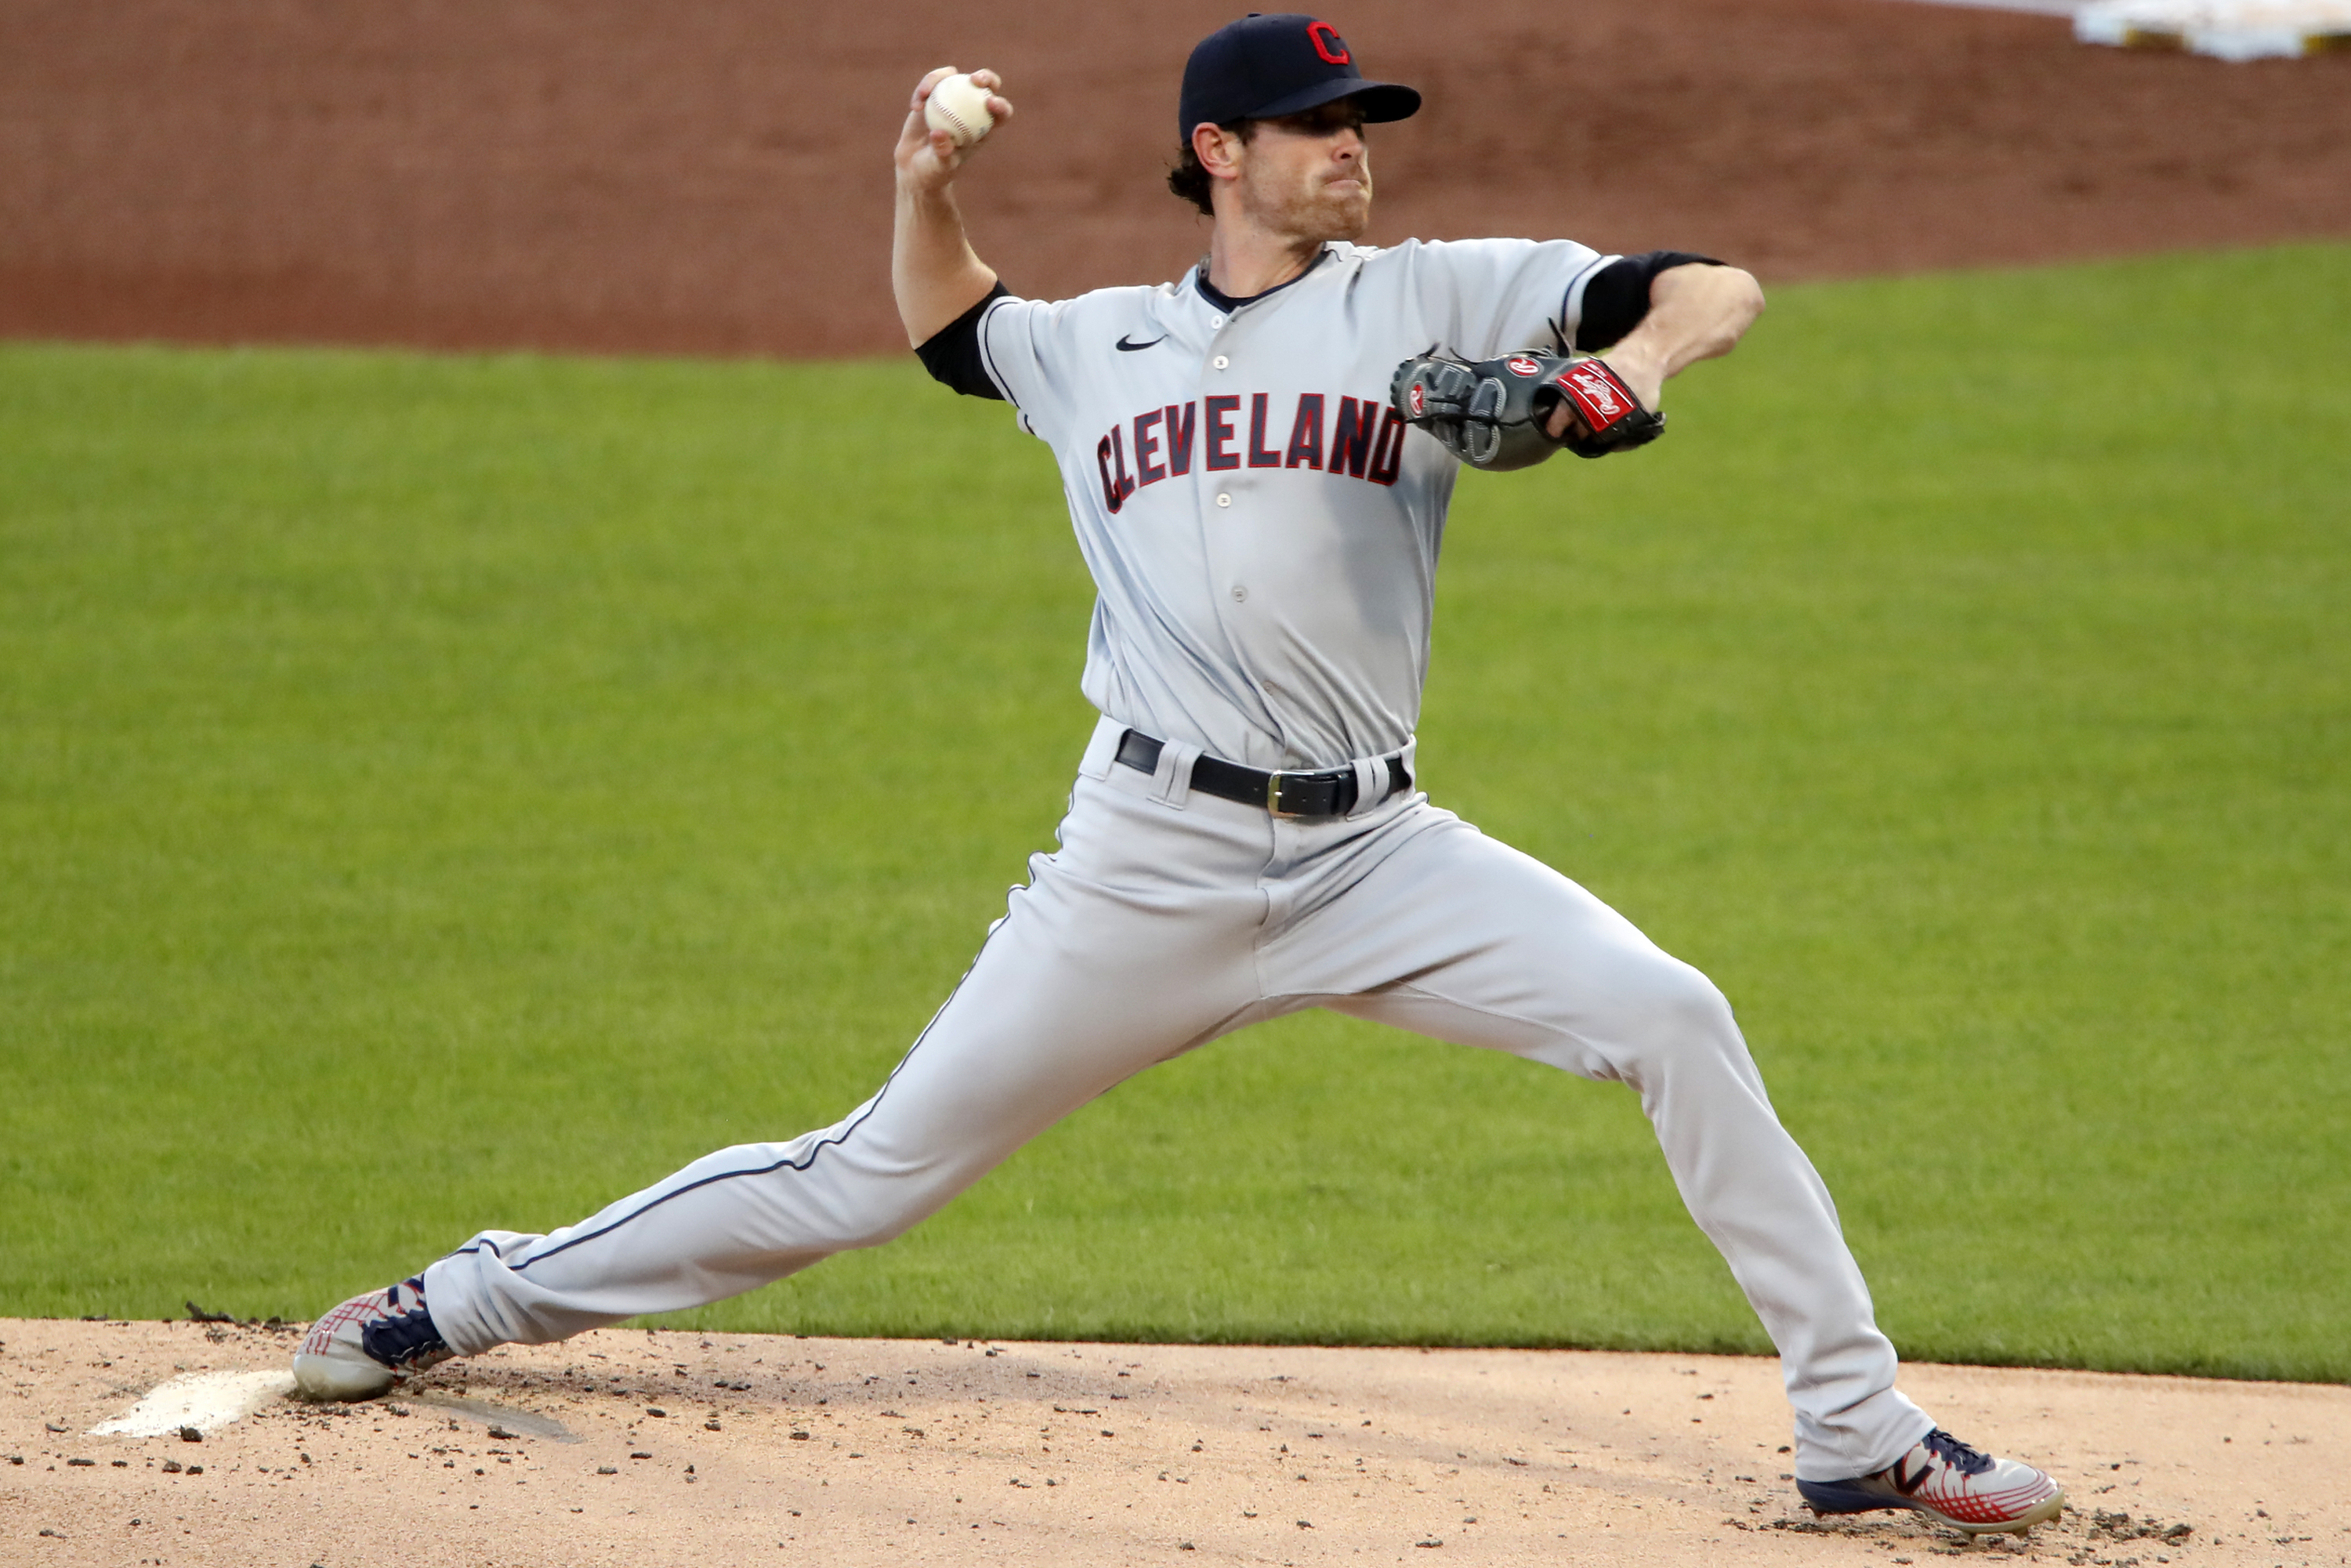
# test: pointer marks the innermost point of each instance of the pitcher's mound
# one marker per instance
(718, 1450)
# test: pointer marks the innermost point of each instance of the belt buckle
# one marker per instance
(1273, 799)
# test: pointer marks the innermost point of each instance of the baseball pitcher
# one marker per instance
(1257, 458)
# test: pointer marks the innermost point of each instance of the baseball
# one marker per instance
(958, 106)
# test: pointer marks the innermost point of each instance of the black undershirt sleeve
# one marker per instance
(952, 353)
(1617, 297)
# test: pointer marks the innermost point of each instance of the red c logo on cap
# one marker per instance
(1328, 44)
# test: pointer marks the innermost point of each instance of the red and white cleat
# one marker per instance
(1945, 1480)
(368, 1343)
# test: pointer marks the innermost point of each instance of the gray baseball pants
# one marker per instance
(1169, 918)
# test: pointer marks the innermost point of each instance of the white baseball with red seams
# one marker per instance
(958, 106)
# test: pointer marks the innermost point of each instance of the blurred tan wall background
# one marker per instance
(713, 175)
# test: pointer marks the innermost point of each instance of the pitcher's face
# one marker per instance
(1308, 176)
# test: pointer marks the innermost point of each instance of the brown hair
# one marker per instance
(1189, 179)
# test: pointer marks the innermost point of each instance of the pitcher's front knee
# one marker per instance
(1669, 1012)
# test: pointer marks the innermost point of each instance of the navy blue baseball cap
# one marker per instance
(1264, 67)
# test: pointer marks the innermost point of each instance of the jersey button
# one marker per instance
(1224, 501)
(1216, 320)
(1221, 362)
(1239, 593)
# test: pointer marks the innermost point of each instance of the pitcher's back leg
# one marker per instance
(1461, 937)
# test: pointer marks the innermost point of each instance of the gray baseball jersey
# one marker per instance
(1263, 528)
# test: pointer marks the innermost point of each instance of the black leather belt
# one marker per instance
(1309, 795)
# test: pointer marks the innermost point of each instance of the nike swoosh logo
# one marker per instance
(1126, 348)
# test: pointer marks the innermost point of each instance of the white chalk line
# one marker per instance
(204, 1400)
(210, 1400)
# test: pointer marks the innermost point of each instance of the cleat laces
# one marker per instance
(404, 1339)
(1955, 1454)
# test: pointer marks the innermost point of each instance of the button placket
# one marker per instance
(1219, 362)
(1216, 543)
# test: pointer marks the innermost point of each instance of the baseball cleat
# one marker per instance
(1945, 1480)
(369, 1344)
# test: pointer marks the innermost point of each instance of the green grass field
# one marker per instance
(438, 793)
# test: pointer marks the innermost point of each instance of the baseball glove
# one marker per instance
(1492, 414)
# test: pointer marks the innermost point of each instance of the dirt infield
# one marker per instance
(713, 177)
(660, 1448)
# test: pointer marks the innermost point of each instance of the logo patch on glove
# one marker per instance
(1522, 366)
(1597, 394)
